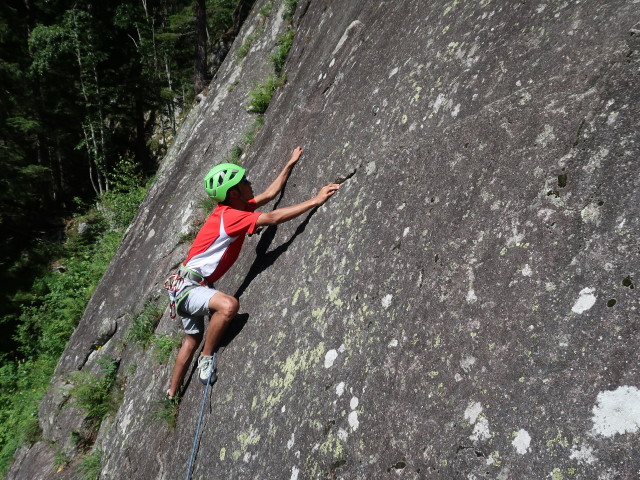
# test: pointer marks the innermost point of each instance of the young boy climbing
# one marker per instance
(215, 249)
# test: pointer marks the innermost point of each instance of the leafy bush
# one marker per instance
(290, 9)
(167, 411)
(163, 346)
(283, 46)
(95, 394)
(50, 310)
(90, 466)
(243, 50)
(144, 324)
(120, 203)
(260, 97)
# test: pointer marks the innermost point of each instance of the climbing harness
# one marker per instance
(195, 439)
(175, 283)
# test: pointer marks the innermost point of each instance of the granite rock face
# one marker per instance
(465, 306)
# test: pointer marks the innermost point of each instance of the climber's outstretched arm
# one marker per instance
(274, 189)
(287, 213)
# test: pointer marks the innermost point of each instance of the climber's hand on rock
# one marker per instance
(325, 193)
(295, 156)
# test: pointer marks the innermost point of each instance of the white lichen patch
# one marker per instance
(471, 296)
(126, 419)
(340, 389)
(591, 213)
(472, 412)
(595, 162)
(294, 473)
(467, 362)
(279, 19)
(439, 102)
(481, 430)
(522, 441)
(386, 301)
(345, 35)
(526, 271)
(353, 420)
(617, 412)
(586, 300)
(186, 219)
(583, 455)
(370, 168)
(330, 358)
(393, 72)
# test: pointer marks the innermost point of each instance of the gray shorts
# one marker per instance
(195, 307)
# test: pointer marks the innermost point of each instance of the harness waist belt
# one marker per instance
(193, 276)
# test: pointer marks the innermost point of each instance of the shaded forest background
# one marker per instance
(91, 95)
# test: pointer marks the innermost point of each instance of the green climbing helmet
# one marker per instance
(221, 178)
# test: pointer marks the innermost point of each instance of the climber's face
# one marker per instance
(246, 191)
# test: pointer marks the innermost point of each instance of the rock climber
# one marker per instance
(215, 249)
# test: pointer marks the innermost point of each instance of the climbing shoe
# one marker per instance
(207, 369)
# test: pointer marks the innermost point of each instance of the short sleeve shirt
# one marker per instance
(218, 243)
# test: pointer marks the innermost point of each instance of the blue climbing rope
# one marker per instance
(204, 398)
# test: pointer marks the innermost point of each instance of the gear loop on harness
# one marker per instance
(173, 284)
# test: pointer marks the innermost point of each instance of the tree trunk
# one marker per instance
(142, 156)
(241, 13)
(201, 47)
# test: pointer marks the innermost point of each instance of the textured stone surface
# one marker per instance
(465, 307)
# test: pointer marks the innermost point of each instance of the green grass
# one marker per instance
(244, 49)
(96, 394)
(265, 10)
(290, 9)
(207, 204)
(235, 153)
(260, 96)
(90, 466)
(163, 346)
(166, 411)
(250, 136)
(283, 46)
(144, 323)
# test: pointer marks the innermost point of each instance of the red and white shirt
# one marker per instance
(218, 243)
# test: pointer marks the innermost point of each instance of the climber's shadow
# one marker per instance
(264, 258)
(234, 329)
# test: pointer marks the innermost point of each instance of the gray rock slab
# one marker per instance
(465, 306)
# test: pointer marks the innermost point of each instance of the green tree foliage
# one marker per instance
(50, 310)
(85, 84)
(94, 393)
(91, 94)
